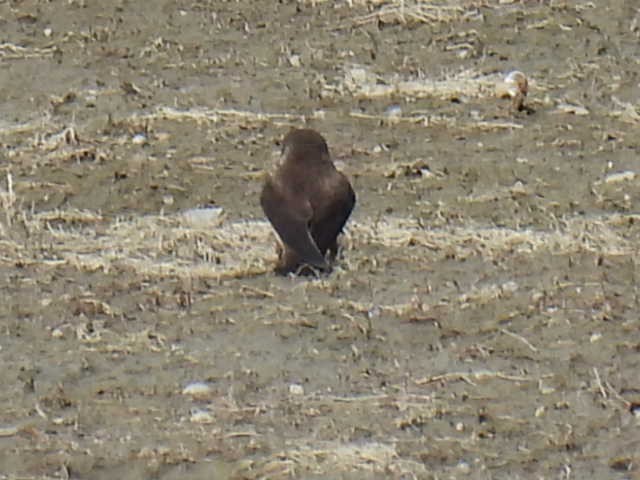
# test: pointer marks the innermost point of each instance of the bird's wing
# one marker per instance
(290, 219)
(335, 214)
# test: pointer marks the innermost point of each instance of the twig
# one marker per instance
(256, 291)
(603, 392)
(619, 397)
(240, 434)
(41, 412)
(464, 376)
(521, 338)
(360, 398)
(8, 200)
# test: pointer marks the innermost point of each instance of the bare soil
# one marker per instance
(482, 321)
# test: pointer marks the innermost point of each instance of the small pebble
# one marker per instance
(197, 389)
(573, 109)
(394, 111)
(426, 173)
(620, 177)
(296, 389)
(294, 60)
(201, 416)
(464, 467)
(357, 76)
(509, 287)
(139, 139)
(8, 431)
(536, 296)
(374, 312)
(203, 217)
(146, 452)
(161, 136)
(544, 390)
(518, 188)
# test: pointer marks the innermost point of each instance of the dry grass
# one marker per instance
(152, 245)
(361, 82)
(178, 246)
(579, 234)
(218, 115)
(406, 11)
(7, 201)
(189, 246)
(11, 51)
(318, 458)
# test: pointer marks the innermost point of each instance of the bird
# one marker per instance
(308, 202)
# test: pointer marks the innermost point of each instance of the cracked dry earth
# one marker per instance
(482, 321)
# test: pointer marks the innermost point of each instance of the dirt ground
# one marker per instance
(482, 321)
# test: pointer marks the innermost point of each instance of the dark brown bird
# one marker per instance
(308, 202)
